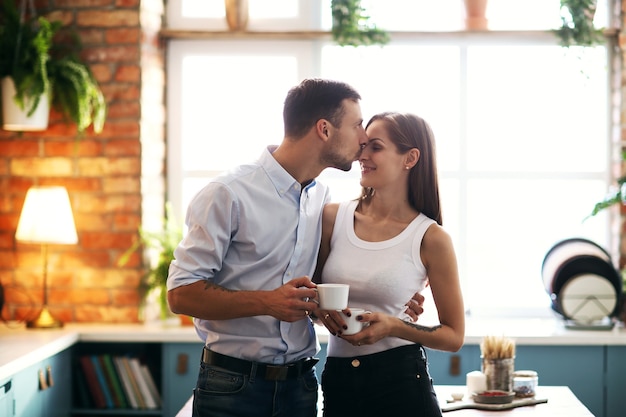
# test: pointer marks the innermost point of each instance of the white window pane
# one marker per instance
(535, 110)
(400, 78)
(510, 227)
(221, 124)
(202, 8)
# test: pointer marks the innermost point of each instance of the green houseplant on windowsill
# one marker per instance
(577, 23)
(616, 197)
(351, 26)
(41, 69)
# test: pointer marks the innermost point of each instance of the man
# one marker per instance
(243, 268)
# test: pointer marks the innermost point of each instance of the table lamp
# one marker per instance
(46, 219)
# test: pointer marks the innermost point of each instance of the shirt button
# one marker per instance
(356, 363)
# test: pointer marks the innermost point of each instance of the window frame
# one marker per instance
(462, 39)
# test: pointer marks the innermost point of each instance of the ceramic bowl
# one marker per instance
(493, 397)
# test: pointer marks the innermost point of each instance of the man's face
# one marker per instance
(344, 144)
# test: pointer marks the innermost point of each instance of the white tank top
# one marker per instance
(382, 276)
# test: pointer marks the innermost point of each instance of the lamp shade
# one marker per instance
(47, 217)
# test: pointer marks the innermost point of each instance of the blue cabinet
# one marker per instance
(447, 368)
(615, 381)
(181, 362)
(581, 368)
(44, 389)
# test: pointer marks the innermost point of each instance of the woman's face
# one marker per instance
(381, 163)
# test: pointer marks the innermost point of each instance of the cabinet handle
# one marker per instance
(43, 385)
(182, 363)
(49, 375)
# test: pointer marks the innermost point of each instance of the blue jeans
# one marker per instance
(395, 382)
(221, 393)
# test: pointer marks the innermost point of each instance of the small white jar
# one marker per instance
(525, 383)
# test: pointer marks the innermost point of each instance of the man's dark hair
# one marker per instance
(314, 99)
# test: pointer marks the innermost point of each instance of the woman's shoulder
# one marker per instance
(330, 212)
(436, 237)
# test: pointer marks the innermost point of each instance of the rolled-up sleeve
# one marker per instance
(211, 221)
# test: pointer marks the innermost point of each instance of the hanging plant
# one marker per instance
(577, 23)
(38, 66)
(351, 26)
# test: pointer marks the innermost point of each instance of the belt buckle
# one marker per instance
(276, 373)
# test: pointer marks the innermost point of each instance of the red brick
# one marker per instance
(123, 147)
(122, 185)
(19, 147)
(125, 297)
(83, 147)
(124, 109)
(127, 222)
(90, 36)
(121, 129)
(78, 4)
(102, 73)
(128, 73)
(123, 35)
(43, 167)
(107, 240)
(127, 3)
(108, 18)
(91, 314)
(122, 91)
(116, 53)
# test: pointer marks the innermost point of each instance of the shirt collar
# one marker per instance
(282, 180)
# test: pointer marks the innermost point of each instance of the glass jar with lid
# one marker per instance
(525, 383)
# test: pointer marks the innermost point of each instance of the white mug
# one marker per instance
(354, 326)
(333, 296)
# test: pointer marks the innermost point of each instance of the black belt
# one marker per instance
(263, 370)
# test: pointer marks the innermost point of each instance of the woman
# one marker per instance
(388, 245)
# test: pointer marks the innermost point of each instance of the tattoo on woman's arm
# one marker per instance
(422, 328)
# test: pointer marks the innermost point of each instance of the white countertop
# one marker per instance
(21, 347)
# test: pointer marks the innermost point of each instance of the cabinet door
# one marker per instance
(581, 368)
(57, 398)
(181, 362)
(34, 396)
(615, 381)
(27, 395)
(451, 368)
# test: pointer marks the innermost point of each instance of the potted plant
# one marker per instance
(159, 253)
(577, 23)
(617, 196)
(351, 26)
(37, 71)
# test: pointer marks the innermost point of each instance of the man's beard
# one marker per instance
(332, 157)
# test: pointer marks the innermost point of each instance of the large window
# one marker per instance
(521, 123)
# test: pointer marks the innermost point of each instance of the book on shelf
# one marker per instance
(102, 381)
(92, 381)
(83, 395)
(113, 380)
(126, 382)
(154, 391)
(141, 403)
(150, 401)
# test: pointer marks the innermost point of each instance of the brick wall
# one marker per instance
(114, 179)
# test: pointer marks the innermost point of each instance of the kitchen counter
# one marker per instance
(560, 402)
(21, 347)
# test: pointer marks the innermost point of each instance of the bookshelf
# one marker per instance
(117, 379)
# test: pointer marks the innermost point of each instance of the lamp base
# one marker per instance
(44, 321)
